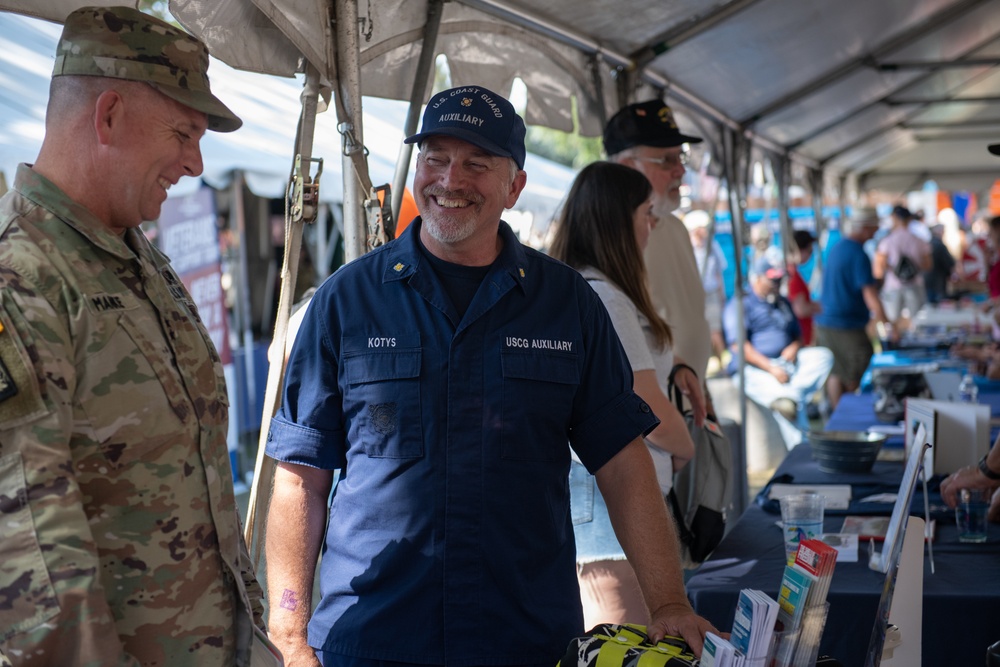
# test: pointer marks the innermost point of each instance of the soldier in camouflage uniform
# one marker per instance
(120, 541)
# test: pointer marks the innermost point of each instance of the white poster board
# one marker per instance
(959, 433)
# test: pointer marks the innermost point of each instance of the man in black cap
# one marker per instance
(645, 136)
(444, 374)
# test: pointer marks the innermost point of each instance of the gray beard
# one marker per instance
(664, 206)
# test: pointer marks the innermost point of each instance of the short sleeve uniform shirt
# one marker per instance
(450, 538)
(770, 327)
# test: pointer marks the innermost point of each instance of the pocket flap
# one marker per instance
(542, 366)
(381, 366)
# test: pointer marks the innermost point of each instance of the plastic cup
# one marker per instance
(970, 515)
(802, 519)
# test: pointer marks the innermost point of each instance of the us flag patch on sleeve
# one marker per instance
(21, 398)
(8, 387)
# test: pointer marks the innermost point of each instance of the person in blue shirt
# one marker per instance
(446, 375)
(849, 297)
(780, 372)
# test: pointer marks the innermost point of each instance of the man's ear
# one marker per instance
(109, 115)
(520, 180)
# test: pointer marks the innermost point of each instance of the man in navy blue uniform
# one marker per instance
(446, 375)
(780, 373)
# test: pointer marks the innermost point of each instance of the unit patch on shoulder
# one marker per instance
(20, 398)
(8, 387)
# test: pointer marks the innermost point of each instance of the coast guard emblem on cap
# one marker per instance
(466, 102)
(383, 417)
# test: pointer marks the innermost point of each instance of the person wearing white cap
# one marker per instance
(849, 299)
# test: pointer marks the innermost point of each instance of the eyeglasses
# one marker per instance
(667, 162)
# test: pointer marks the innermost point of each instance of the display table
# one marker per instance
(950, 316)
(961, 613)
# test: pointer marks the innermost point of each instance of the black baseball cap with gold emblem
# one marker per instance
(644, 124)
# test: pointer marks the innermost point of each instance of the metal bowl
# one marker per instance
(845, 451)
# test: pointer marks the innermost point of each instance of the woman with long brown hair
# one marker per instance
(602, 231)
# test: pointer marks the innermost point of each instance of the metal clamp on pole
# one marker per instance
(304, 192)
(350, 145)
(378, 210)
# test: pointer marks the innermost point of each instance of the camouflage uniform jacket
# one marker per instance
(120, 540)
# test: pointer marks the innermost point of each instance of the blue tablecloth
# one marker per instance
(856, 412)
(918, 357)
(961, 600)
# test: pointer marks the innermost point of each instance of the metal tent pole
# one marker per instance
(260, 490)
(435, 8)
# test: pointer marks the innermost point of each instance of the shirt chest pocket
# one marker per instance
(539, 387)
(382, 400)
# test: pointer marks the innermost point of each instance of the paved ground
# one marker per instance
(765, 448)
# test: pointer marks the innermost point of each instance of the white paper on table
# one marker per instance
(845, 544)
(835, 496)
(888, 429)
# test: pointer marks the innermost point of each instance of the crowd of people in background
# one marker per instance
(866, 289)
(912, 263)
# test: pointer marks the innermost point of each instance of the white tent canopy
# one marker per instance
(262, 149)
(895, 91)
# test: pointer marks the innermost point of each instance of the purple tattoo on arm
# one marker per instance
(289, 600)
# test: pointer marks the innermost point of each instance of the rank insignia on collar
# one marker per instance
(398, 267)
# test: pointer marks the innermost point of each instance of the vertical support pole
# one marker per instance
(435, 8)
(348, 91)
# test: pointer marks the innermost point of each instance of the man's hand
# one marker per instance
(679, 620)
(687, 381)
(968, 477)
(790, 353)
(299, 655)
(779, 374)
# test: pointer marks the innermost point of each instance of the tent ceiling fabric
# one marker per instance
(846, 85)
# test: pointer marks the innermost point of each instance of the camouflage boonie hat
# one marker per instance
(124, 43)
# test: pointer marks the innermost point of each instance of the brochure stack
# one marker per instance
(802, 604)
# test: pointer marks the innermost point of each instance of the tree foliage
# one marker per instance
(568, 148)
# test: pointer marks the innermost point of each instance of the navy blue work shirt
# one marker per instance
(450, 539)
(847, 272)
(770, 327)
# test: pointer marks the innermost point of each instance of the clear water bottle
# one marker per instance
(968, 392)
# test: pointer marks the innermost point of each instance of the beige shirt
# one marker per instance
(677, 291)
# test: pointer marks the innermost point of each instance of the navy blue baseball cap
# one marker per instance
(476, 115)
